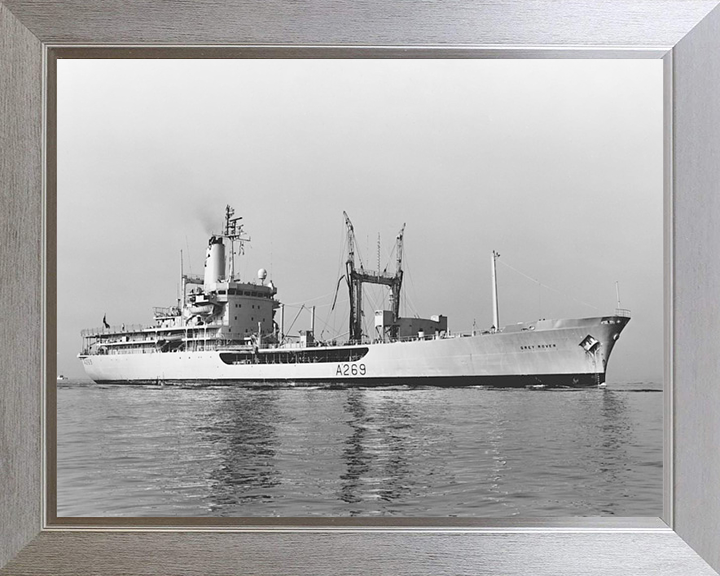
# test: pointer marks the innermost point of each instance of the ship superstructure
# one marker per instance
(224, 330)
(217, 310)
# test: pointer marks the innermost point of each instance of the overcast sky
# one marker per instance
(556, 164)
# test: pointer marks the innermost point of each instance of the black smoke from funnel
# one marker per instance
(210, 220)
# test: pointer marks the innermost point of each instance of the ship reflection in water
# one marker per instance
(376, 453)
(167, 451)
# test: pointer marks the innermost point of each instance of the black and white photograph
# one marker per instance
(373, 288)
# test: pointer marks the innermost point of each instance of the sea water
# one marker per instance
(388, 451)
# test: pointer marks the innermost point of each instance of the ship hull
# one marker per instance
(546, 381)
(552, 353)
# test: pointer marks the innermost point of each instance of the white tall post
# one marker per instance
(181, 304)
(231, 277)
(312, 320)
(496, 315)
(282, 322)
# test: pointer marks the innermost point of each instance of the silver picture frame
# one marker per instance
(685, 34)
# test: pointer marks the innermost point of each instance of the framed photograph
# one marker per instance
(37, 229)
(328, 374)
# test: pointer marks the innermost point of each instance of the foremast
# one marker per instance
(496, 311)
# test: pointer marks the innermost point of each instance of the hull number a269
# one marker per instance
(350, 370)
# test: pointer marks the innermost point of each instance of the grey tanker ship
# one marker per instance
(224, 330)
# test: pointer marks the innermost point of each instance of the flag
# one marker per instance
(105, 321)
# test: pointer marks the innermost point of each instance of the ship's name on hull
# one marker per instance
(538, 347)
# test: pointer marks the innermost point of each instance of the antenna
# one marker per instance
(378, 253)
(182, 280)
(187, 245)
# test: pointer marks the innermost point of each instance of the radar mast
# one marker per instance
(234, 232)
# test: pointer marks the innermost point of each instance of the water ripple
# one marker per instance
(227, 451)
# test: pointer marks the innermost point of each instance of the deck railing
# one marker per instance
(112, 330)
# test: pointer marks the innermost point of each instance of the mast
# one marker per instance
(355, 279)
(182, 281)
(282, 323)
(397, 283)
(496, 315)
(235, 233)
(355, 287)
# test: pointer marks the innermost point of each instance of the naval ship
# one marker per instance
(224, 330)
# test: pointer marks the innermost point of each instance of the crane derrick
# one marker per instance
(357, 277)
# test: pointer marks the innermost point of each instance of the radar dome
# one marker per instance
(262, 274)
